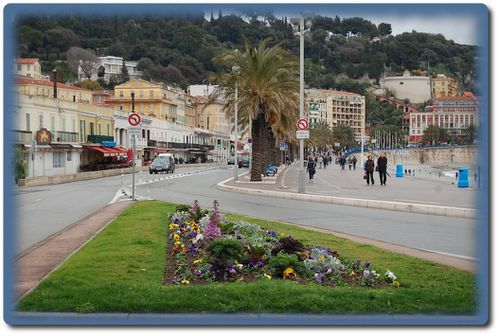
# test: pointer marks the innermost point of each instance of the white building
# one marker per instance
(201, 90)
(415, 88)
(111, 65)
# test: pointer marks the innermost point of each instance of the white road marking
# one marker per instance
(329, 184)
(450, 254)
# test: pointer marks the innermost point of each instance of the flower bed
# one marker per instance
(203, 247)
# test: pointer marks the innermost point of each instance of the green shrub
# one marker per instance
(281, 261)
(182, 207)
(225, 249)
(227, 228)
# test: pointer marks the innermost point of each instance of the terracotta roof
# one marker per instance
(26, 60)
(23, 80)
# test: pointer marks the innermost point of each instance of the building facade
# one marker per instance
(201, 90)
(454, 114)
(29, 67)
(316, 106)
(443, 86)
(110, 66)
(417, 89)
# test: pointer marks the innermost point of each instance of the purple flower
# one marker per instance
(367, 264)
(318, 277)
(251, 263)
(358, 262)
(193, 234)
(197, 272)
(192, 249)
(272, 233)
(259, 264)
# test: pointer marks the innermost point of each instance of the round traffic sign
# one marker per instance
(134, 119)
(250, 141)
(302, 124)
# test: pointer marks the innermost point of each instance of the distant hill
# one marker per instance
(179, 49)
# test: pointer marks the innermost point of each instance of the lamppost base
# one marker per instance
(301, 180)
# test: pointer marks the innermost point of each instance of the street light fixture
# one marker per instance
(235, 70)
(299, 29)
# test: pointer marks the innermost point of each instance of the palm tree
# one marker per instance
(344, 135)
(268, 90)
(320, 135)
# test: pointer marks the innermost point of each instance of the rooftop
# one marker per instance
(23, 80)
(26, 60)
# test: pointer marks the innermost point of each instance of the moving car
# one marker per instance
(162, 163)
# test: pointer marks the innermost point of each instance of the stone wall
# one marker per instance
(433, 156)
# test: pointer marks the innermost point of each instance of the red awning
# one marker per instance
(108, 151)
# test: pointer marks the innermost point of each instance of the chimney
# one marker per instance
(55, 82)
(133, 101)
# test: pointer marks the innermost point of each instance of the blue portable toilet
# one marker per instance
(462, 181)
(400, 171)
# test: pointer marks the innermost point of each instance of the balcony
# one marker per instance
(64, 136)
(99, 138)
(24, 137)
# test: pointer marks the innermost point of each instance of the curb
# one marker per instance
(425, 209)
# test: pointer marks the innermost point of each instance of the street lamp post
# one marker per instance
(235, 69)
(301, 31)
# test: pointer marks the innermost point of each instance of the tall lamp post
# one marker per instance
(235, 69)
(299, 29)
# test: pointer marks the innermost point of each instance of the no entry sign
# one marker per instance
(302, 124)
(134, 119)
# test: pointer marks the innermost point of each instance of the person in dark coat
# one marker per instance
(369, 169)
(354, 161)
(382, 163)
(311, 169)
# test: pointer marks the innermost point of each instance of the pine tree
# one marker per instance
(219, 14)
(125, 77)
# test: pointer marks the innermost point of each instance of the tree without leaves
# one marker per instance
(86, 59)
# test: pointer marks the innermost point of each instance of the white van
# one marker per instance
(162, 163)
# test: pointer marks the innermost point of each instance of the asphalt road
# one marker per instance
(46, 210)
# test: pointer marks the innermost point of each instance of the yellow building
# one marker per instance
(95, 123)
(151, 99)
(33, 87)
(442, 86)
(29, 67)
(212, 117)
(191, 115)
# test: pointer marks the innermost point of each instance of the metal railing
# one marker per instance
(60, 136)
(24, 137)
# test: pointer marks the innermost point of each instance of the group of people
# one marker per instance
(369, 166)
(380, 167)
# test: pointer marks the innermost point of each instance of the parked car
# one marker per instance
(243, 161)
(162, 163)
(230, 161)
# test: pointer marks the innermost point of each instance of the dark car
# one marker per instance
(162, 163)
(243, 161)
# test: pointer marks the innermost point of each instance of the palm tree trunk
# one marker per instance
(259, 133)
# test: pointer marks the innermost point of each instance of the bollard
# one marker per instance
(463, 178)
(400, 171)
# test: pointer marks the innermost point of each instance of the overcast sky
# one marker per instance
(454, 21)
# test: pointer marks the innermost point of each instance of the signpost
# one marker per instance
(134, 119)
(302, 124)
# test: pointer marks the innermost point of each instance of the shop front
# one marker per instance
(104, 156)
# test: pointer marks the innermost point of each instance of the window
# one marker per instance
(99, 129)
(19, 67)
(121, 94)
(29, 67)
(68, 156)
(63, 124)
(107, 130)
(141, 93)
(40, 119)
(83, 135)
(52, 123)
(57, 161)
(151, 94)
(91, 128)
(28, 123)
(73, 125)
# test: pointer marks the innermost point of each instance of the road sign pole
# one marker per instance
(134, 150)
(301, 171)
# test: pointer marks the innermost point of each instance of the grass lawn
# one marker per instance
(122, 269)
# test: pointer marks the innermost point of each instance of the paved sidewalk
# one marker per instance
(36, 263)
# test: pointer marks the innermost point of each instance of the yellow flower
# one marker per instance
(395, 283)
(352, 273)
(173, 227)
(184, 282)
(266, 276)
(176, 236)
(197, 261)
(289, 273)
(178, 243)
(282, 234)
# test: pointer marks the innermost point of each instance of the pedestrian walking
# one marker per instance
(354, 161)
(320, 160)
(405, 171)
(381, 167)
(342, 162)
(369, 170)
(349, 163)
(409, 172)
(311, 169)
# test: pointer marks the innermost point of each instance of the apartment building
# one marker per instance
(111, 66)
(443, 86)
